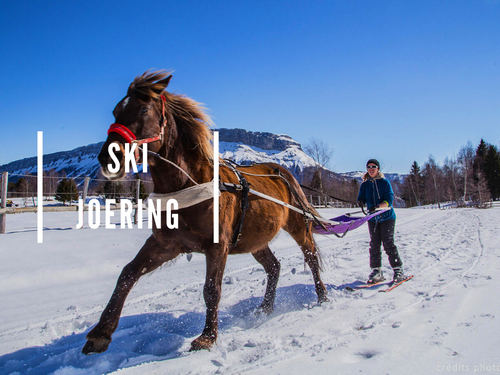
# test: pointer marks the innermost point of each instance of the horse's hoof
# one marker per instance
(267, 310)
(94, 346)
(201, 343)
(323, 299)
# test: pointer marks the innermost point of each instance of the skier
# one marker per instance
(376, 192)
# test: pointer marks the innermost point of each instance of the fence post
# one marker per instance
(5, 185)
(85, 189)
(86, 182)
(137, 191)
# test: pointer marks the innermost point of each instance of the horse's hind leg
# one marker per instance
(272, 267)
(306, 242)
(150, 257)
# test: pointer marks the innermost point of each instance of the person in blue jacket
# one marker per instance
(376, 192)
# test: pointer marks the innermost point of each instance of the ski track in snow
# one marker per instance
(44, 328)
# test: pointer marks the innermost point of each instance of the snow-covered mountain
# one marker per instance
(245, 147)
(358, 175)
(242, 146)
(81, 161)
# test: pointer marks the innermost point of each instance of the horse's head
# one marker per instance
(140, 117)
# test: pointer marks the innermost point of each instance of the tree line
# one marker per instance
(64, 189)
(472, 178)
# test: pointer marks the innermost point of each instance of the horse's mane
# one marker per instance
(190, 116)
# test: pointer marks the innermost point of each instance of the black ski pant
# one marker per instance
(383, 233)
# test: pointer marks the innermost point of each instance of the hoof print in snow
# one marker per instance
(250, 344)
(368, 354)
(217, 363)
(364, 328)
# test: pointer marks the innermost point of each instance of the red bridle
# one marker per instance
(131, 138)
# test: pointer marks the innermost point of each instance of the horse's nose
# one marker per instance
(111, 158)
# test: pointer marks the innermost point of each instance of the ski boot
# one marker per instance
(399, 275)
(376, 276)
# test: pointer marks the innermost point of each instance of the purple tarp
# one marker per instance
(345, 223)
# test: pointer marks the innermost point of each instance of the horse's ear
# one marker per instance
(162, 85)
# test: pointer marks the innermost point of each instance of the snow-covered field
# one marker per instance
(445, 320)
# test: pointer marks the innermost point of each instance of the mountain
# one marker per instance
(358, 175)
(242, 146)
(81, 161)
(246, 147)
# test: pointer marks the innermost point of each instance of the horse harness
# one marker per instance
(132, 139)
(244, 188)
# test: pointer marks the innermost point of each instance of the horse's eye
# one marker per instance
(144, 110)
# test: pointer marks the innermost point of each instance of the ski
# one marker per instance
(363, 286)
(395, 285)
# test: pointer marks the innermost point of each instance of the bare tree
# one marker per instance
(451, 175)
(466, 161)
(433, 177)
(481, 189)
(321, 153)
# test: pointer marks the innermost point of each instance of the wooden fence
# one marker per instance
(4, 210)
(323, 202)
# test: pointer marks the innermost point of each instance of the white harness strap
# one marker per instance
(289, 206)
(186, 197)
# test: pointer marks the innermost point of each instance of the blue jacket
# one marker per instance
(375, 191)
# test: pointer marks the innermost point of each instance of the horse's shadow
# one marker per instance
(149, 337)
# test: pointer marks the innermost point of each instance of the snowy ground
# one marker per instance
(445, 320)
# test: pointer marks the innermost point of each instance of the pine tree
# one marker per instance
(478, 165)
(112, 190)
(415, 182)
(66, 191)
(492, 171)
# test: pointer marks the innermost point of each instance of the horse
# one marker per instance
(178, 131)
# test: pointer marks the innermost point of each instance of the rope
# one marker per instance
(304, 209)
(173, 164)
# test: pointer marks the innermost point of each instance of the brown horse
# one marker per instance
(185, 139)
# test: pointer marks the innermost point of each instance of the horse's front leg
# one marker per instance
(150, 257)
(216, 262)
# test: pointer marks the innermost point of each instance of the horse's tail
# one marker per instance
(299, 196)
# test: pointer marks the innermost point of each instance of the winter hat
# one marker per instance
(373, 161)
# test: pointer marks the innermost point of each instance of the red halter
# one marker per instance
(131, 138)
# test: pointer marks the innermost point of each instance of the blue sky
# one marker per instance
(394, 80)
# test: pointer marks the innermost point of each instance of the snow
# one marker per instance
(293, 157)
(446, 319)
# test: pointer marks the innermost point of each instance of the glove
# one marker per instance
(372, 209)
(361, 204)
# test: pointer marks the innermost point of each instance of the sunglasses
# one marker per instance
(371, 167)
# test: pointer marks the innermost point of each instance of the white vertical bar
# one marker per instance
(216, 187)
(40, 187)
